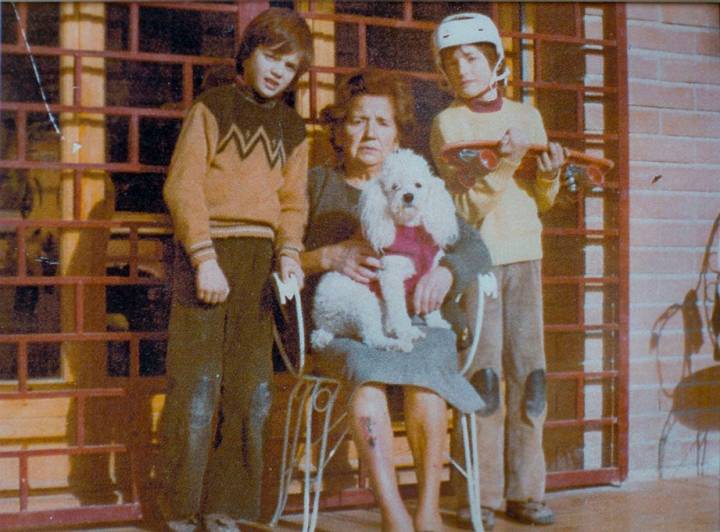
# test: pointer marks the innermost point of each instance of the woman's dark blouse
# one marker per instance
(334, 217)
(433, 362)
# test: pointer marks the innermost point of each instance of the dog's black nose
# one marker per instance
(408, 197)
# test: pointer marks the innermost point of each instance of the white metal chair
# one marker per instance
(316, 394)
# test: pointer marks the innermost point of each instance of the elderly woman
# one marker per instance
(371, 118)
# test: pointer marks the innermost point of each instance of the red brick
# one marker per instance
(643, 12)
(667, 371)
(644, 318)
(664, 261)
(691, 14)
(707, 98)
(660, 37)
(708, 43)
(656, 148)
(646, 428)
(702, 70)
(646, 401)
(680, 452)
(661, 233)
(642, 67)
(689, 124)
(672, 340)
(708, 152)
(652, 94)
(672, 206)
(643, 120)
(679, 177)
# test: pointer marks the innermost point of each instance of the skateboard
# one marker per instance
(481, 157)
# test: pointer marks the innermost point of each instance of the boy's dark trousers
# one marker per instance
(510, 429)
(219, 373)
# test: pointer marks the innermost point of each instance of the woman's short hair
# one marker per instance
(371, 82)
(280, 29)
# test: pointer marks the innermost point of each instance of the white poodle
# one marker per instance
(408, 217)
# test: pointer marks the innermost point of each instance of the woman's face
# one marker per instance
(369, 133)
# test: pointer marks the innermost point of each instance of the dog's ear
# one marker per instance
(439, 214)
(377, 224)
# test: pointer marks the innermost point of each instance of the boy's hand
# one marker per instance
(288, 267)
(210, 283)
(513, 144)
(549, 162)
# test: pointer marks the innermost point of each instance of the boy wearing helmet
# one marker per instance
(471, 59)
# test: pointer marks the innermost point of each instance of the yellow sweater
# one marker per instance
(239, 170)
(504, 208)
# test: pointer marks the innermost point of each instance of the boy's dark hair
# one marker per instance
(371, 82)
(282, 30)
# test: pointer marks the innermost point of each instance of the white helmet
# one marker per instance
(469, 28)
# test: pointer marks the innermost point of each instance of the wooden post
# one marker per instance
(85, 195)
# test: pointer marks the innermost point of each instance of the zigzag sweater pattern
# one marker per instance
(239, 169)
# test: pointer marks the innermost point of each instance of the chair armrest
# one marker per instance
(288, 297)
(486, 287)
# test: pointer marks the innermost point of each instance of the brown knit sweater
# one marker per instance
(239, 170)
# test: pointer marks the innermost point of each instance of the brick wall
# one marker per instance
(674, 95)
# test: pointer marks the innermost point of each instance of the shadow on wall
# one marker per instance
(696, 397)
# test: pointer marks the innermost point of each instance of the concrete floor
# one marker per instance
(674, 505)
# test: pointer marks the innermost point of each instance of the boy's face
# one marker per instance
(468, 71)
(270, 72)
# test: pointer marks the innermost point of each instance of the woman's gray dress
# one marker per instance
(433, 364)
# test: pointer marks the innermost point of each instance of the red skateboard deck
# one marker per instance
(481, 157)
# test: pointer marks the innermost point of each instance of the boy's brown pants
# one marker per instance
(510, 429)
(219, 372)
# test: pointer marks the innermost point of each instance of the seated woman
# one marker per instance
(372, 117)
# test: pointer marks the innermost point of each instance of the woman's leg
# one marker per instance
(373, 436)
(426, 424)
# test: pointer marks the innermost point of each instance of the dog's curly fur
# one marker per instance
(405, 193)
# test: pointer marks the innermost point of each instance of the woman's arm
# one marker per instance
(354, 258)
(457, 269)
(468, 257)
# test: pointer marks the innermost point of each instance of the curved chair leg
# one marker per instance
(308, 397)
(667, 427)
(322, 401)
(294, 414)
(471, 471)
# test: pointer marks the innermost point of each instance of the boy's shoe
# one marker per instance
(220, 523)
(463, 519)
(189, 524)
(530, 512)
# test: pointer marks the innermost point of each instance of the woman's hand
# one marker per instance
(549, 162)
(354, 258)
(431, 290)
(210, 283)
(513, 144)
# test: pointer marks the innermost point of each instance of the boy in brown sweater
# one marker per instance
(504, 209)
(236, 191)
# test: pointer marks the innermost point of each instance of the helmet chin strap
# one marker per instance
(492, 84)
